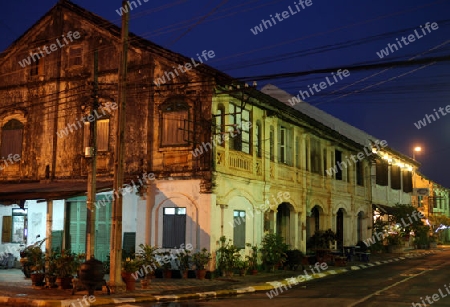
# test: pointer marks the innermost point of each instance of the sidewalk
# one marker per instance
(16, 290)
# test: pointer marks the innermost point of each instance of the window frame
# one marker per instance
(177, 211)
(181, 107)
(73, 58)
(242, 224)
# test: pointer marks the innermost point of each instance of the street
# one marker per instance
(401, 283)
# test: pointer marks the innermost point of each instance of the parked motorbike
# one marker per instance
(24, 254)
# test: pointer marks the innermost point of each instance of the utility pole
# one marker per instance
(92, 174)
(115, 278)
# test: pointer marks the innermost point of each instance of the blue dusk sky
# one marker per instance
(296, 44)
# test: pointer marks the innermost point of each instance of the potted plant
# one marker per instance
(227, 257)
(130, 267)
(147, 256)
(50, 268)
(433, 241)
(395, 244)
(201, 260)
(36, 259)
(167, 264)
(253, 259)
(25, 259)
(294, 259)
(273, 251)
(242, 265)
(66, 265)
(183, 262)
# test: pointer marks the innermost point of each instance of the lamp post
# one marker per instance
(416, 149)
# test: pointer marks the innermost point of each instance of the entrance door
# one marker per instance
(283, 221)
(76, 239)
(340, 228)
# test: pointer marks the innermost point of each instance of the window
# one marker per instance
(174, 227)
(241, 127)
(395, 177)
(175, 124)
(338, 161)
(15, 227)
(75, 56)
(382, 172)
(419, 201)
(359, 173)
(359, 227)
(407, 182)
(12, 134)
(283, 145)
(258, 140)
(37, 65)
(307, 161)
(272, 143)
(19, 225)
(315, 156)
(220, 124)
(297, 152)
(102, 134)
(324, 161)
(239, 228)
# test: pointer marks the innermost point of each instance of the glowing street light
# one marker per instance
(416, 149)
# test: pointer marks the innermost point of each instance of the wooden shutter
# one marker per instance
(6, 229)
(57, 237)
(129, 242)
(77, 211)
(103, 135)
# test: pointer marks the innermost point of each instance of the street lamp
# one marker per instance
(416, 149)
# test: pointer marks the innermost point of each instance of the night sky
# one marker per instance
(381, 99)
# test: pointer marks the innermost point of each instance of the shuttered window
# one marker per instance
(12, 138)
(382, 172)
(175, 124)
(272, 144)
(407, 182)
(359, 173)
(102, 135)
(338, 161)
(174, 227)
(315, 156)
(75, 56)
(6, 229)
(395, 177)
(239, 228)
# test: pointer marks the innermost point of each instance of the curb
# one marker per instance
(267, 286)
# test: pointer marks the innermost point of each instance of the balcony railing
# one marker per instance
(240, 161)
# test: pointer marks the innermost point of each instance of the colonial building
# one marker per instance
(205, 155)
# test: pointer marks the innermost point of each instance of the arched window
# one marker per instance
(12, 137)
(175, 124)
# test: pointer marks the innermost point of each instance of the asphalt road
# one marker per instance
(409, 282)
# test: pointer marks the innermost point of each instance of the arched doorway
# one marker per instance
(284, 221)
(359, 227)
(340, 227)
(313, 221)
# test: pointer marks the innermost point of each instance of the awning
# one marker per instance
(17, 193)
(384, 209)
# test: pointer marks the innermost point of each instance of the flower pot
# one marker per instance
(64, 282)
(145, 283)
(129, 281)
(50, 281)
(201, 274)
(168, 274)
(254, 272)
(242, 272)
(184, 274)
(37, 279)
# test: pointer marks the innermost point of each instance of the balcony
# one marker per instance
(240, 161)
